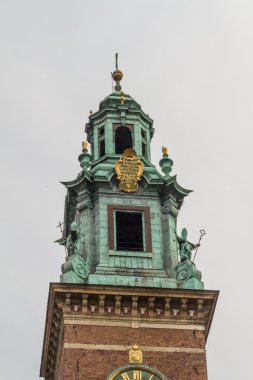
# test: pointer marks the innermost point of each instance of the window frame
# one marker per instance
(146, 225)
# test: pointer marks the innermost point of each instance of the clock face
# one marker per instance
(137, 373)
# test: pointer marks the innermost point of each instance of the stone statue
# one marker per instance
(73, 240)
(185, 247)
(75, 269)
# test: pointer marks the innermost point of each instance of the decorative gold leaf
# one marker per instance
(129, 170)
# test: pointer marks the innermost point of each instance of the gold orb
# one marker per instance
(117, 75)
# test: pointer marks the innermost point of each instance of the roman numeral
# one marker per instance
(125, 376)
(150, 377)
(137, 375)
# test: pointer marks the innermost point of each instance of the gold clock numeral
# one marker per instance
(137, 375)
(125, 376)
(150, 377)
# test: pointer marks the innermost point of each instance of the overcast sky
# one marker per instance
(189, 64)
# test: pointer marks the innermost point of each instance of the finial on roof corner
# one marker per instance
(166, 163)
(117, 75)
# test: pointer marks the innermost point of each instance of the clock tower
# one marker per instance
(130, 303)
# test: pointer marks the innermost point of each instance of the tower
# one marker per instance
(130, 303)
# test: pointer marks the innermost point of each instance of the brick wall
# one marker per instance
(92, 364)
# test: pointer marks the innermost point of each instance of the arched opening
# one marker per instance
(123, 139)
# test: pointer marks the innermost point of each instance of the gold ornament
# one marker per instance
(135, 354)
(122, 98)
(165, 150)
(129, 169)
(84, 144)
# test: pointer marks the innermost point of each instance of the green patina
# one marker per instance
(90, 259)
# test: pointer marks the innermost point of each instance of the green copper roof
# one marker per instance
(113, 101)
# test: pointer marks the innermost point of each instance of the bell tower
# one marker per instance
(128, 285)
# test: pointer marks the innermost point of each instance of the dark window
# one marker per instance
(143, 226)
(101, 142)
(123, 139)
(102, 148)
(129, 232)
(144, 149)
(144, 143)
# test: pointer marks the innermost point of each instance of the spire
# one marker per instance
(117, 75)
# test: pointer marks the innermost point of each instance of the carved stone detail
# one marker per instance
(109, 309)
(168, 208)
(143, 310)
(134, 305)
(84, 303)
(84, 203)
(101, 304)
(67, 302)
(117, 304)
(126, 309)
(167, 307)
(163, 307)
(191, 312)
(151, 306)
(175, 312)
(184, 307)
(93, 308)
(200, 308)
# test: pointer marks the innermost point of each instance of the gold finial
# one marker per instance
(165, 150)
(135, 354)
(117, 75)
(122, 98)
(84, 145)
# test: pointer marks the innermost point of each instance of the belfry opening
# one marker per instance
(123, 139)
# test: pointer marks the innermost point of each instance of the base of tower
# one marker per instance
(89, 329)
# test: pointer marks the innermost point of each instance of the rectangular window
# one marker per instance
(129, 231)
(102, 148)
(129, 228)
(144, 149)
(101, 142)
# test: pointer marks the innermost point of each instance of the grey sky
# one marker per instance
(189, 64)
